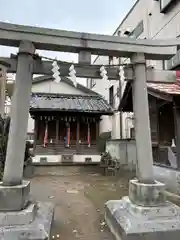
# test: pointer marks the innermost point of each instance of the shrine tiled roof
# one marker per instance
(172, 89)
(70, 103)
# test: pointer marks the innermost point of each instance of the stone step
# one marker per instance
(61, 149)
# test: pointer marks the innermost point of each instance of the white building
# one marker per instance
(151, 19)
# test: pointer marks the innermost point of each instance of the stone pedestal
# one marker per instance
(20, 218)
(144, 215)
(14, 198)
(147, 195)
(32, 223)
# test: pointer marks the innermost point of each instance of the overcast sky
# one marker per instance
(79, 15)
(96, 16)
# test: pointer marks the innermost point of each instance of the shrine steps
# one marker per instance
(61, 149)
(60, 155)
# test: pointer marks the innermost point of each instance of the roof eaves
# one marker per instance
(160, 94)
(152, 91)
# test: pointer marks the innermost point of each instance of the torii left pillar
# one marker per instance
(21, 218)
(13, 171)
(17, 189)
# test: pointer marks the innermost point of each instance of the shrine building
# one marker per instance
(66, 121)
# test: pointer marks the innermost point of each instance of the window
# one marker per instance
(165, 4)
(138, 30)
(111, 96)
(92, 83)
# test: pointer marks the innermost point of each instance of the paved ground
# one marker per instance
(79, 195)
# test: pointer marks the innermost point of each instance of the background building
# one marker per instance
(150, 19)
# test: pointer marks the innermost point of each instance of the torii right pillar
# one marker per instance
(144, 214)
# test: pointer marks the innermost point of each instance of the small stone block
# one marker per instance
(88, 160)
(43, 159)
(128, 221)
(67, 158)
(14, 198)
(147, 194)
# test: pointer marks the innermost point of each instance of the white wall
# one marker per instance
(156, 25)
(109, 123)
(105, 124)
(124, 151)
(53, 87)
(164, 25)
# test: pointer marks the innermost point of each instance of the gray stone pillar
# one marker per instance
(13, 171)
(142, 123)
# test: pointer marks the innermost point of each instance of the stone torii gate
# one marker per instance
(129, 218)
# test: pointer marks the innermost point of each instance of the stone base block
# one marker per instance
(37, 229)
(128, 221)
(25, 216)
(147, 194)
(14, 198)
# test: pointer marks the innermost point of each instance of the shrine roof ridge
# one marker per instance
(63, 95)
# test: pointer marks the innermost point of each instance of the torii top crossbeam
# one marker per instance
(68, 41)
